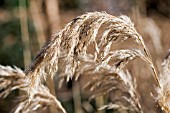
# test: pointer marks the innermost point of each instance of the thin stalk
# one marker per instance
(52, 9)
(152, 65)
(51, 86)
(24, 32)
(38, 21)
(77, 97)
(100, 102)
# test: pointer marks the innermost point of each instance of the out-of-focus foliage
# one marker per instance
(10, 4)
(10, 44)
(11, 47)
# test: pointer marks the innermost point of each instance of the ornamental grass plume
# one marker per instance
(87, 43)
(121, 85)
(85, 46)
(14, 79)
(10, 80)
(40, 102)
(163, 91)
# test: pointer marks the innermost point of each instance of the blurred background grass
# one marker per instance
(26, 24)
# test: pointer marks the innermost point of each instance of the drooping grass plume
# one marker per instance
(41, 100)
(85, 46)
(10, 79)
(14, 78)
(121, 85)
(76, 47)
(163, 91)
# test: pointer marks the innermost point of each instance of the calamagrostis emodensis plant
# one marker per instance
(14, 78)
(10, 79)
(87, 44)
(40, 101)
(163, 91)
(121, 85)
